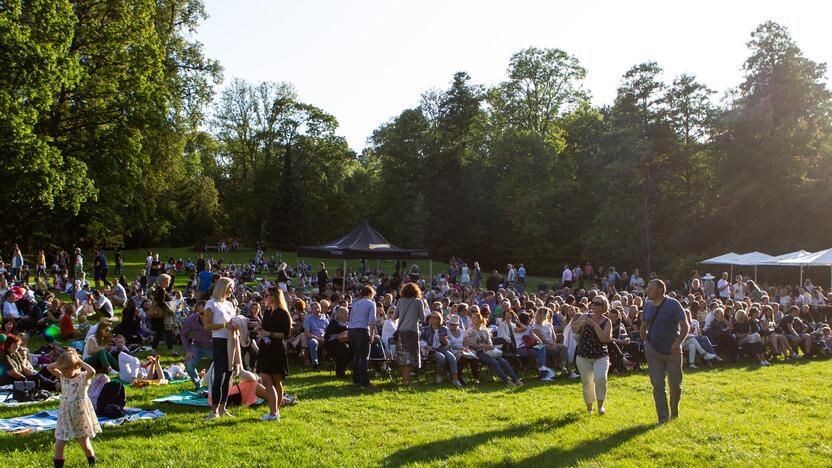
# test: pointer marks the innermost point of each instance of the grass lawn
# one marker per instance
(745, 416)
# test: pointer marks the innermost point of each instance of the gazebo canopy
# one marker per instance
(362, 242)
(819, 258)
(725, 259)
(778, 260)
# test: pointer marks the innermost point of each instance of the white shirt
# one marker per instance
(388, 330)
(10, 311)
(105, 306)
(739, 292)
(567, 275)
(118, 291)
(637, 283)
(723, 293)
(222, 313)
(511, 274)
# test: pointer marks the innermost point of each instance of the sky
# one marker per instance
(365, 61)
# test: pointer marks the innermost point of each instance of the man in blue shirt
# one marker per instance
(360, 330)
(206, 282)
(314, 326)
(521, 278)
(663, 331)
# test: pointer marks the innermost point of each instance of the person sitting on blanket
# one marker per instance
(13, 365)
(97, 349)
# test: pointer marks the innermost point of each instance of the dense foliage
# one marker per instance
(111, 134)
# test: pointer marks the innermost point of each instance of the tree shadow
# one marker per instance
(444, 448)
(557, 456)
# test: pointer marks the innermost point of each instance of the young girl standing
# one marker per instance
(76, 416)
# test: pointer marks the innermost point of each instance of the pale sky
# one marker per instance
(365, 61)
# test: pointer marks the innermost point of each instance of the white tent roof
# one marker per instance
(725, 259)
(752, 259)
(787, 256)
(746, 259)
(819, 258)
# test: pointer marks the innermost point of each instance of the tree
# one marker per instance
(36, 177)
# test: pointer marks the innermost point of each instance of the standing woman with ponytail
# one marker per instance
(272, 362)
(219, 311)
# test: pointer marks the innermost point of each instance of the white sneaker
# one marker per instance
(271, 417)
(709, 356)
(767, 363)
(438, 379)
(546, 378)
(692, 366)
(763, 363)
(573, 375)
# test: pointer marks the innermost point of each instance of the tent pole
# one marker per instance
(731, 277)
(344, 278)
(801, 275)
(430, 270)
(755, 273)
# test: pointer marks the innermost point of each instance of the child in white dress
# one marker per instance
(76, 416)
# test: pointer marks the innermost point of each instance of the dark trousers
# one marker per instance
(158, 326)
(727, 345)
(360, 346)
(343, 356)
(222, 374)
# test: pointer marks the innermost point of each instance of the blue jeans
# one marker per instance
(445, 358)
(360, 346)
(705, 343)
(313, 350)
(499, 366)
(190, 366)
(539, 354)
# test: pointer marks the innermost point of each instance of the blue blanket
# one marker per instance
(46, 420)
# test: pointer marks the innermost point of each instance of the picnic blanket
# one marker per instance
(46, 420)
(187, 397)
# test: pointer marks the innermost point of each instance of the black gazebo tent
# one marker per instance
(362, 242)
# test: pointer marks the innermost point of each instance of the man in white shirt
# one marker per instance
(723, 287)
(9, 307)
(512, 273)
(103, 305)
(636, 282)
(566, 278)
(118, 295)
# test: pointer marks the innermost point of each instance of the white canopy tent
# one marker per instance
(821, 258)
(725, 259)
(754, 259)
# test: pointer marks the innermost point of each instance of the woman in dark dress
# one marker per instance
(272, 362)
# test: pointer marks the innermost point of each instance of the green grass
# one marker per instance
(745, 416)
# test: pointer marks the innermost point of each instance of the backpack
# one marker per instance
(111, 401)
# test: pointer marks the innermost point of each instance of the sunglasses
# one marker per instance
(598, 302)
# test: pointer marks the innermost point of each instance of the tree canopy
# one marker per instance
(113, 132)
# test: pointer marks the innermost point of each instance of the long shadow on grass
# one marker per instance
(586, 450)
(442, 449)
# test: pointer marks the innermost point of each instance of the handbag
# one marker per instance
(23, 390)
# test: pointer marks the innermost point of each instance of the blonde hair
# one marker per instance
(221, 288)
(740, 315)
(340, 312)
(162, 278)
(68, 361)
(541, 315)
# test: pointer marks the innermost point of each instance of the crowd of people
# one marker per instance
(368, 322)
